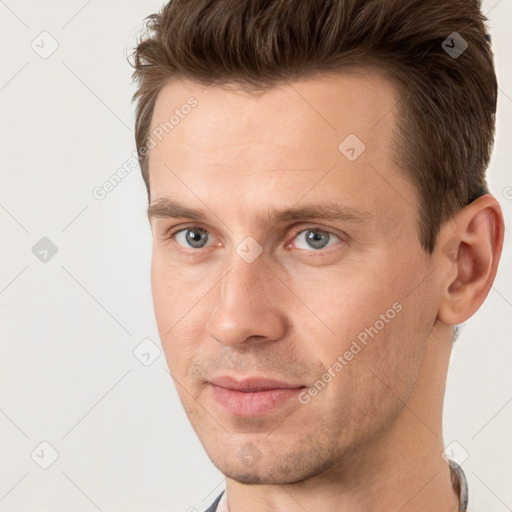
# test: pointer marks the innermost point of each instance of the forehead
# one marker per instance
(297, 138)
(302, 116)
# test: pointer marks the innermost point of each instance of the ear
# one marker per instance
(468, 252)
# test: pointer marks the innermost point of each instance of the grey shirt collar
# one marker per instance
(460, 484)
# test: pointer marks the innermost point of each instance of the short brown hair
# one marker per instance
(447, 102)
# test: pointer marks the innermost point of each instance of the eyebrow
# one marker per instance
(167, 208)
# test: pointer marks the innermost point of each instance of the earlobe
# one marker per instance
(469, 252)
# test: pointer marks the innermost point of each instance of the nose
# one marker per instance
(247, 308)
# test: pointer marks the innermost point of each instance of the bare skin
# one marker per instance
(372, 438)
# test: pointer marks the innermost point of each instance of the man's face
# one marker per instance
(241, 293)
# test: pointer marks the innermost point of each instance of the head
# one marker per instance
(316, 180)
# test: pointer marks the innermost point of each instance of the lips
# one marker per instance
(252, 396)
(252, 384)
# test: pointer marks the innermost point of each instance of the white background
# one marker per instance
(68, 375)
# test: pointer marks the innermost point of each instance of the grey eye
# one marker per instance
(315, 239)
(194, 238)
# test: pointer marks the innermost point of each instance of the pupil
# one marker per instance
(315, 239)
(194, 236)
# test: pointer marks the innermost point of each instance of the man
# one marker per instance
(321, 221)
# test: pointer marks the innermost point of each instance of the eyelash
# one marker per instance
(172, 235)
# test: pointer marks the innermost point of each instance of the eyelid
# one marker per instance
(170, 232)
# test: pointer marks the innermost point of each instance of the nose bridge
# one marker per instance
(244, 305)
(245, 285)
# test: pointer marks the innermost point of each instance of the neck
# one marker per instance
(402, 469)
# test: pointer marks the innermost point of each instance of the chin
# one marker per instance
(256, 477)
(280, 471)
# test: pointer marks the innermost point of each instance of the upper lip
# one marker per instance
(251, 383)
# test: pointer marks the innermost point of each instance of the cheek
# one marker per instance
(367, 314)
(343, 304)
(173, 290)
(170, 306)
(392, 339)
(161, 293)
(372, 378)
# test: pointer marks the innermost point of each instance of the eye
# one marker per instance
(195, 237)
(314, 238)
(192, 237)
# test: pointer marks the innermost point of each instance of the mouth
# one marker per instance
(252, 396)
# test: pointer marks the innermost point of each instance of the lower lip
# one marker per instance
(256, 403)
